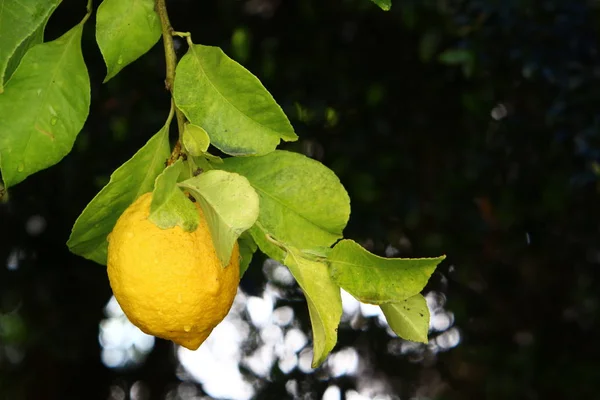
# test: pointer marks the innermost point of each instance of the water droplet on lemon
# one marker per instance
(187, 328)
(53, 120)
(20, 167)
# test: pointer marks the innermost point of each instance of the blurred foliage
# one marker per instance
(462, 127)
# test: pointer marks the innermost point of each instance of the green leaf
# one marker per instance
(408, 318)
(170, 207)
(239, 114)
(47, 99)
(127, 183)
(20, 20)
(240, 44)
(125, 30)
(456, 57)
(195, 140)
(385, 5)
(302, 202)
(376, 280)
(323, 298)
(247, 249)
(36, 37)
(230, 206)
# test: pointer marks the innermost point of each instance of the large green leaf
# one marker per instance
(376, 280)
(218, 94)
(19, 21)
(47, 99)
(125, 30)
(127, 183)
(323, 298)
(408, 318)
(170, 207)
(302, 202)
(385, 5)
(230, 205)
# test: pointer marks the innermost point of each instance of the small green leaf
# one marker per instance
(125, 30)
(170, 207)
(195, 140)
(240, 44)
(376, 280)
(230, 206)
(323, 298)
(127, 183)
(20, 21)
(456, 57)
(247, 249)
(239, 114)
(47, 99)
(302, 202)
(385, 5)
(408, 318)
(213, 159)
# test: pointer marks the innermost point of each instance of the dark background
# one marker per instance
(466, 128)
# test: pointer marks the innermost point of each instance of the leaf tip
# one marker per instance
(317, 361)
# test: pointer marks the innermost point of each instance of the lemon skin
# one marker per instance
(169, 282)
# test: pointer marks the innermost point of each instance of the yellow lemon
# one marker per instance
(169, 282)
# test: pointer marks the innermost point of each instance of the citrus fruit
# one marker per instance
(169, 282)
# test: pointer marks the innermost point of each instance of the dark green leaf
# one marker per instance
(456, 56)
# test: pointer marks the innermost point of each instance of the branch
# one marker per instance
(171, 64)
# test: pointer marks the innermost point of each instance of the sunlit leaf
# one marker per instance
(385, 5)
(125, 30)
(302, 202)
(21, 23)
(218, 94)
(195, 139)
(247, 249)
(127, 183)
(409, 318)
(47, 99)
(376, 280)
(230, 205)
(170, 206)
(324, 301)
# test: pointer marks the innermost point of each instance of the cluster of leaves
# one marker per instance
(291, 207)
